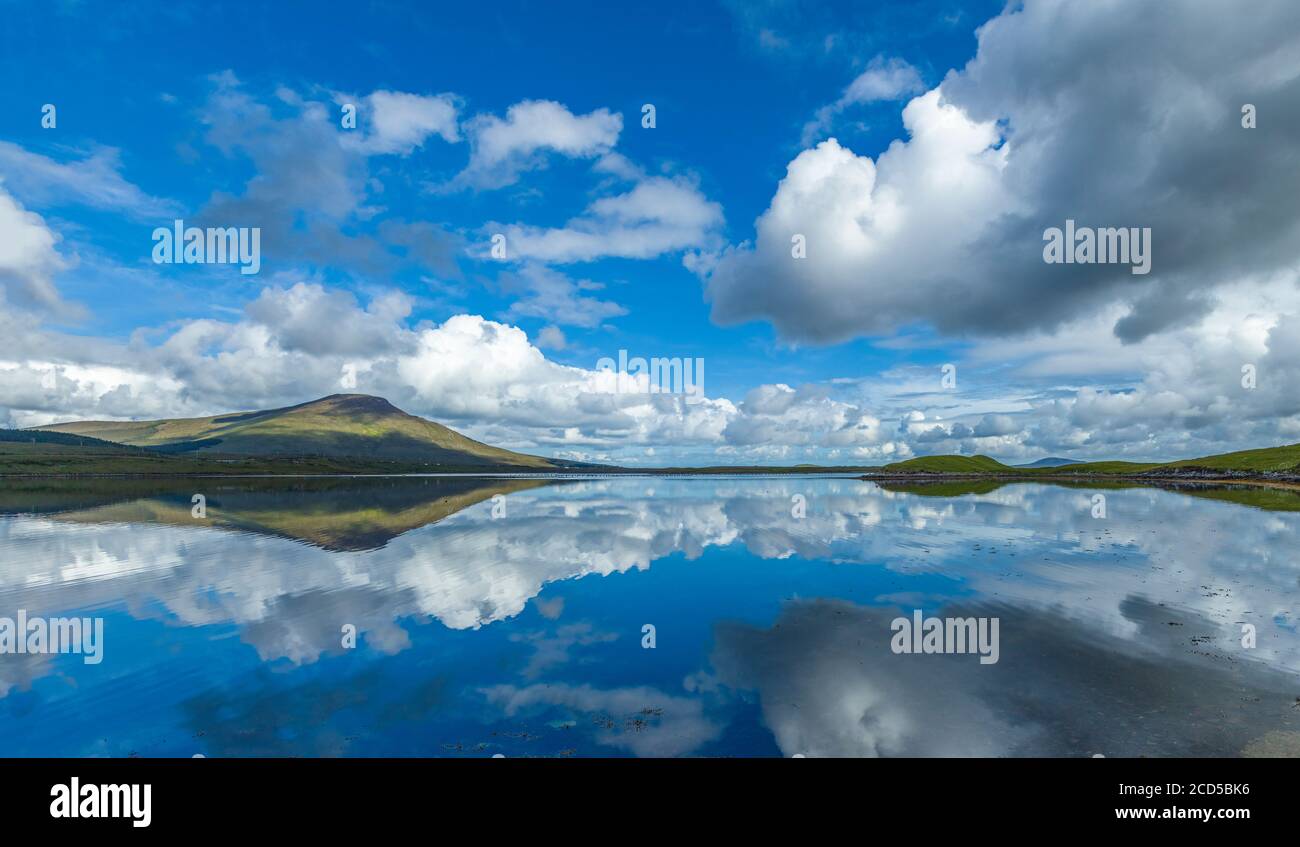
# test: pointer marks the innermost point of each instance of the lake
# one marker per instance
(650, 616)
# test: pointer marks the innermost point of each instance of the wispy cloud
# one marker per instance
(94, 180)
(883, 80)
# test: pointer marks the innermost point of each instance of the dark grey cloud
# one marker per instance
(312, 188)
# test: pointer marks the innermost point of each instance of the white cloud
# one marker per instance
(872, 229)
(658, 215)
(554, 297)
(551, 338)
(883, 80)
(296, 314)
(781, 415)
(504, 148)
(398, 122)
(28, 258)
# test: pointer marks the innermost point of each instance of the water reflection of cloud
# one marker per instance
(1032, 547)
(552, 648)
(641, 720)
(830, 686)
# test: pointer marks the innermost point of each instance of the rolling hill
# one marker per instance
(32, 452)
(341, 426)
(950, 465)
(1268, 461)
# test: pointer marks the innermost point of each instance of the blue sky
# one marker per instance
(953, 148)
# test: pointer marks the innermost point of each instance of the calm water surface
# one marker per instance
(507, 616)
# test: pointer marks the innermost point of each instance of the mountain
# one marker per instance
(341, 426)
(1050, 462)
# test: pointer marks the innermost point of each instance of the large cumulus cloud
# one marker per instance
(1111, 114)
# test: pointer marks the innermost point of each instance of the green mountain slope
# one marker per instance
(340, 426)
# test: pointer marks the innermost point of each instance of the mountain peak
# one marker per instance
(352, 404)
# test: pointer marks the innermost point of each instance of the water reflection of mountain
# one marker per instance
(341, 514)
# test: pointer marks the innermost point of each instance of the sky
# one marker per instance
(838, 211)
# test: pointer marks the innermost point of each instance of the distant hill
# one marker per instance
(341, 426)
(1049, 462)
(950, 464)
(1267, 461)
(63, 439)
(28, 451)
